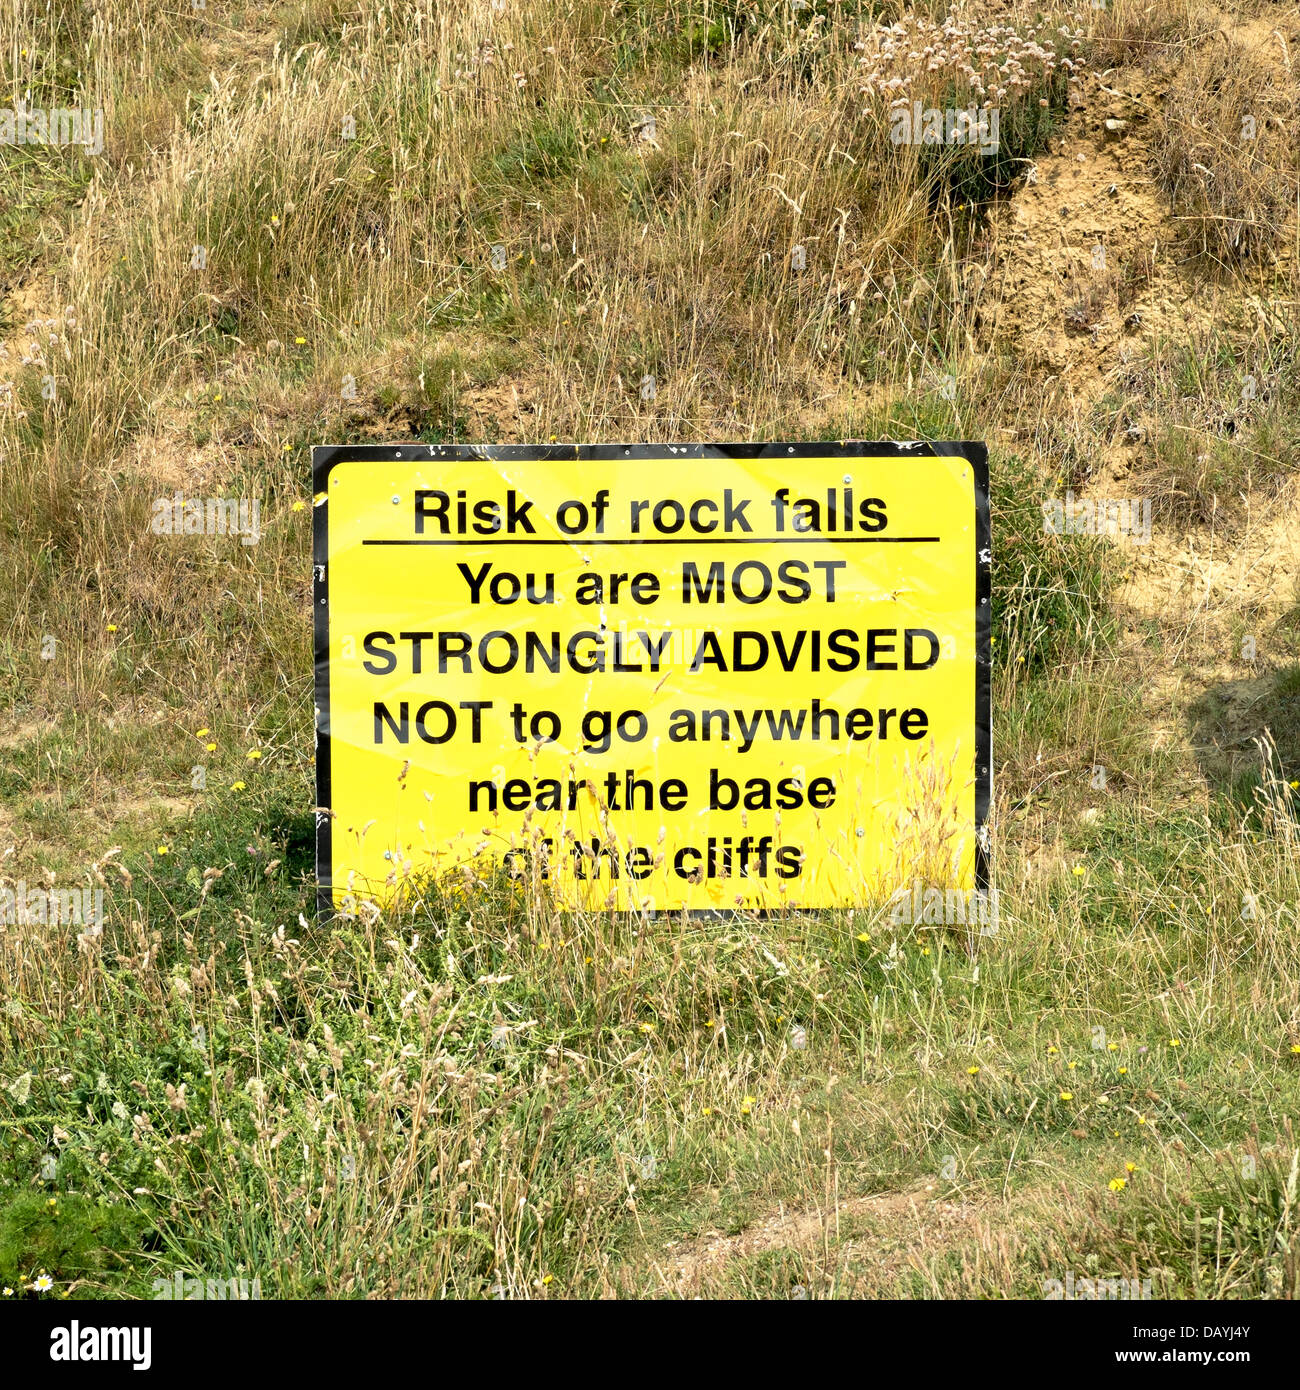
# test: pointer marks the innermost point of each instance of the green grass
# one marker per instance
(90, 1246)
(472, 1094)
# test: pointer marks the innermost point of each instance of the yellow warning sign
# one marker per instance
(704, 677)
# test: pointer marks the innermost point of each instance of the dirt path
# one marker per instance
(905, 1228)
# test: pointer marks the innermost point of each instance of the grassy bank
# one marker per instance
(289, 239)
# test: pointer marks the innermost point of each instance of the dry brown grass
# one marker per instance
(1226, 152)
(457, 1097)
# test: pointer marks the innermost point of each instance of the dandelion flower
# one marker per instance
(1051, 1052)
(972, 1071)
(1123, 1071)
(300, 341)
(164, 849)
(112, 627)
(210, 747)
(866, 936)
(202, 733)
(299, 505)
(1067, 1095)
(237, 786)
(1118, 1184)
(1130, 1167)
(1173, 1042)
(1079, 871)
(1112, 1047)
(253, 754)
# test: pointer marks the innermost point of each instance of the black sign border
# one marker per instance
(325, 457)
